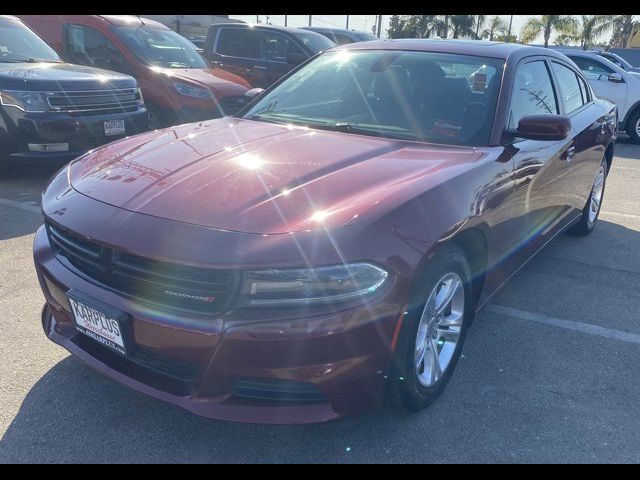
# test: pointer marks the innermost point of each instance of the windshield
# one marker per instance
(617, 60)
(157, 47)
(314, 41)
(19, 44)
(435, 97)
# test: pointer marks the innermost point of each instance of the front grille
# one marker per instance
(167, 285)
(278, 391)
(232, 103)
(96, 101)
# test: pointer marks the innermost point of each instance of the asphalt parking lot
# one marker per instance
(549, 373)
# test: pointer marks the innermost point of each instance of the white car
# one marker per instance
(614, 84)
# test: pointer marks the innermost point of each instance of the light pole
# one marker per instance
(309, 20)
(347, 27)
(379, 25)
(509, 34)
(285, 20)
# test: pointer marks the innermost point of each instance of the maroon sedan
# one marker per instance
(331, 243)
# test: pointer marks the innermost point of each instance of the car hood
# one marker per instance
(258, 177)
(59, 76)
(209, 77)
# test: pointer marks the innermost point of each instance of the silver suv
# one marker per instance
(613, 83)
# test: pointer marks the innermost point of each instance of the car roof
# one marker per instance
(336, 30)
(263, 27)
(480, 48)
(132, 20)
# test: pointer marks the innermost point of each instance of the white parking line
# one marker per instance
(26, 206)
(562, 323)
(619, 214)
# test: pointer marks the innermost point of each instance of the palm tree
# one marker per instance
(479, 22)
(462, 25)
(625, 27)
(591, 27)
(497, 26)
(546, 24)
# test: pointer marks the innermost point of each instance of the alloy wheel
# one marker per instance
(439, 329)
(596, 194)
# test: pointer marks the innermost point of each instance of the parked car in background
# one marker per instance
(261, 54)
(332, 242)
(198, 40)
(177, 83)
(615, 84)
(342, 36)
(618, 60)
(53, 110)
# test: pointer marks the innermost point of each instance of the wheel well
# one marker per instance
(608, 154)
(474, 245)
(632, 111)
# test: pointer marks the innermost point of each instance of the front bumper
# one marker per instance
(197, 363)
(82, 133)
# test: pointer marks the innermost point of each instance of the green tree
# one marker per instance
(625, 28)
(462, 26)
(497, 26)
(480, 22)
(546, 25)
(591, 27)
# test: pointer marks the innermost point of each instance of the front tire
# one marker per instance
(433, 331)
(591, 210)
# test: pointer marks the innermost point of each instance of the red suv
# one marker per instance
(177, 83)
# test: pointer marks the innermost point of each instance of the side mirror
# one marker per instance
(295, 58)
(253, 93)
(615, 78)
(543, 126)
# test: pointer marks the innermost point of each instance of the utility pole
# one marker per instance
(510, 23)
(379, 25)
(309, 20)
(285, 20)
(257, 18)
(347, 27)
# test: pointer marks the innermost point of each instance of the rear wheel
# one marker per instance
(633, 129)
(591, 210)
(433, 331)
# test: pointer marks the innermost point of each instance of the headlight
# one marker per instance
(26, 101)
(311, 286)
(192, 91)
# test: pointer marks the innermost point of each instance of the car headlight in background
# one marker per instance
(311, 286)
(26, 101)
(193, 91)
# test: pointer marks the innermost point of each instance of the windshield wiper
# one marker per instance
(373, 131)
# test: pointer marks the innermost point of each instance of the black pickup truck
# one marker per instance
(54, 110)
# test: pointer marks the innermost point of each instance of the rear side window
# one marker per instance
(236, 42)
(532, 92)
(88, 46)
(592, 69)
(570, 94)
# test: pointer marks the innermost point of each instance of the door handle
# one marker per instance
(569, 154)
(259, 67)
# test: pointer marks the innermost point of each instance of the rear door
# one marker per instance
(236, 50)
(588, 128)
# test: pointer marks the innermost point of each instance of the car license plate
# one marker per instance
(114, 127)
(99, 322)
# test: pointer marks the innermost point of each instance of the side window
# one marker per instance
(570, 94)
(584, 90)
(592, 69)
(341, 39)
(238, 42)
(274, 47)
(532, 92)
(87, 46)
